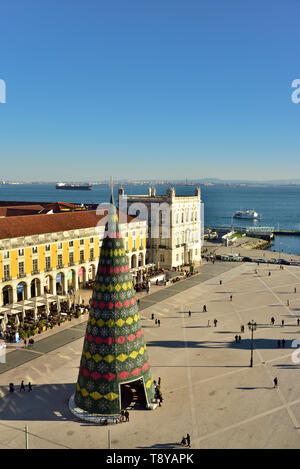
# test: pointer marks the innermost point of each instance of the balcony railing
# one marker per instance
(35, 272)
(21, 275)
(47, 269)
(6, 278)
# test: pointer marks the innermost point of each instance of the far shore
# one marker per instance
(211, 248)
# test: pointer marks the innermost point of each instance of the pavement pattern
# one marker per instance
(209, 390)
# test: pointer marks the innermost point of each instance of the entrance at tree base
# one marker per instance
(133, 395)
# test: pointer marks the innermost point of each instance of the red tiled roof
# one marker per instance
(20, 210)
(28, 225)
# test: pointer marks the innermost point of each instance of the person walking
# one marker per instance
(29, 387)
(283, 343)
(22, 387)
(236, 339)
(158, 321)
(220, 282)
(127, 415)
(188, 440)
(190, 314)
(159, 381)
(295, 290)
(240, 338)
(215, 322)
(269, 274)
(230, 297)
(242, 328)
(278, 343)
(204, 309)
(282, 323)
(298, 321)
(275, 382)
(272, 321)
(25, 343)
(287, 303)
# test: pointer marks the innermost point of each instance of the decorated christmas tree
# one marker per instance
(114, 350)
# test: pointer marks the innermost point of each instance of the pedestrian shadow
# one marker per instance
(284, 366)
(46, 402)
(163, 445)
(255, 387)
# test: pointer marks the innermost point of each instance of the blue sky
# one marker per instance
(157, 88)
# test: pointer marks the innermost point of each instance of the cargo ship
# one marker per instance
(73, 187)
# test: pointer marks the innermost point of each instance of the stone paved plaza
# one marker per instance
(208, 387)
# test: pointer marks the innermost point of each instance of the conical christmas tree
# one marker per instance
(114, 350)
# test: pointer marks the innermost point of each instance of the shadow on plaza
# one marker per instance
(46, 402)
(162, 446)
(255, 387)
(244, 344)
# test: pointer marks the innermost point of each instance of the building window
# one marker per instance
(177, 257)
(48, 263)
(126, 246)
(71, 244)
(81, 256)
(6, 272)
(162, 258)
(34, 250)
(47, 247)
(91, 240)
(21, 252)
(21, 269)
(59, 245)
(71, 258)
(35, 266)
(91, 254)
(6, 255)
(82, 242)
(59, 261)
(141, 243)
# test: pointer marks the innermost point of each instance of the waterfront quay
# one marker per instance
(208, 387)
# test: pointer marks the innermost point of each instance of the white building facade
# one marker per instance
(175, 225)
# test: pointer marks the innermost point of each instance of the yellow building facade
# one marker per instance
(61, 261)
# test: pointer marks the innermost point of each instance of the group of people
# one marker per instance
(124, 416)
(22, 387)
(142, 287)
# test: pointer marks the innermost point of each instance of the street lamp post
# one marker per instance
(252, 327)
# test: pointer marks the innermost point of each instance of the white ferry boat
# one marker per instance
(247, 214)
